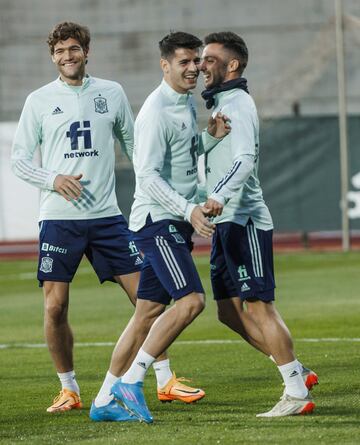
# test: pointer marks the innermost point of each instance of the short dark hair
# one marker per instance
(65, 30)
(231, 42)
(176, 40)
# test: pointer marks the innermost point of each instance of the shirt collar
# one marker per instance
(85, 82)
(173, 95)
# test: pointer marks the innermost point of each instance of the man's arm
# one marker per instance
(230, 184)
(218, 127)
(27, 138)
(243, 152)
(124, 125)
(150, 146)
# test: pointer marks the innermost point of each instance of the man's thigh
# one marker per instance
(62, 244)
(111, 250)
(247, 259)
(168, 265)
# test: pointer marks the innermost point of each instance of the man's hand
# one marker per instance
(219, 126)
(68, 186)
(201, 224)
(215, 208)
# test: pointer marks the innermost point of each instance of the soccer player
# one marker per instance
(242, 255)
(75, 120)
(164, 213)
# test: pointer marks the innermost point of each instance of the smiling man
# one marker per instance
(242, 273)
(75, 121)
(165, 213)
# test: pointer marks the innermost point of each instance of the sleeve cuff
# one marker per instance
(50, 180)
(218, 198)
(209, 140)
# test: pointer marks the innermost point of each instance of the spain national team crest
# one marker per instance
(100, 105)
(178, 238)
(46, 264)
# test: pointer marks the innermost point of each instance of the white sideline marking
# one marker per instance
(180, 343)
(32, 275)
(82, 271)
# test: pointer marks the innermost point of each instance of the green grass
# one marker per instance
(318, 296)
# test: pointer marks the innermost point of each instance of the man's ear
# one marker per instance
(164, 64)
(233, 65)
(86, 54)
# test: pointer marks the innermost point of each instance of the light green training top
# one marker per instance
(76, 130)
(166, 151)
(232, 165)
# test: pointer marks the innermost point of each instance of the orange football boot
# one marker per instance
(65, 401)
(175, 390)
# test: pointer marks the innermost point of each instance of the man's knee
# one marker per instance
(199, 304)
(260, 310)
(229, 310)
(191, 306)
(56, 312)
(56, 302)
(147, 312)
(130, 283)
(223, 315)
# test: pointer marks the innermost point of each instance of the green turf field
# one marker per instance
(318, 295)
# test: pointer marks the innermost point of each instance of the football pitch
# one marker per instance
(318, 296)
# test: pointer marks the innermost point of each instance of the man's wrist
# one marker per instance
(50, 180)
(188, 211)
(216, 197)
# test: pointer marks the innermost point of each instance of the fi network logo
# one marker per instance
(76, 132)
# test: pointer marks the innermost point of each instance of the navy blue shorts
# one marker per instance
(106, 242)
(242, 262)
(168, 270)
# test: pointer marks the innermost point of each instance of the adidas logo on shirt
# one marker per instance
(244, 287)
(183, 126)
(57, 110)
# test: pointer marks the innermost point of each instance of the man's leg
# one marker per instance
(130, 284)
(138, 327)
(172, 322)
(277, 337)
(60, 342)
(104, 407)
(128, 344)
(163, 332)
(296, 398)
(232, 313)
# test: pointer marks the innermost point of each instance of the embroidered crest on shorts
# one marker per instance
(101, 105)
(46, 264)
(176, 235)
(178, 238)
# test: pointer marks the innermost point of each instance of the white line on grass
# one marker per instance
(82, 271)
(180, 343)
(32, 275)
